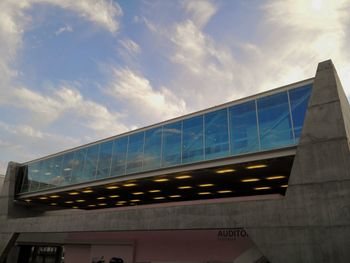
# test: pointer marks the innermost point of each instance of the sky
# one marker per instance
(73, 72)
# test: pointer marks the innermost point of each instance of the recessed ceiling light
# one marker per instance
(205, 185)
(91, 205)
(174, 196)
(53, 204)
(262, 188)
(27, 200)
(110, 187)
(129, 184)
(135, 200)
(185, 187)
(69, 202)
(222, 171)
(121, 202)
(80, 201)
(250, 180)
(160, 180)
(204, 193)
(224, 191)
(284, 186)
(180, 177)
(73, 193)
(159, 197)
(54, 196)
(114, 196)
(154, 191)
(75, 207)
(138, 193)
(102, 204)
(43, 197)
(48, 173)
(101, 198)
(256, 166)
(87, 191)
(276, 177)
(67, 169)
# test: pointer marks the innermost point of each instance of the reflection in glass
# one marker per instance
(274, 121)
(153, 139)
(216, 134)
(299, 99)
(171, 152)
(119, 156)
(78, 166)
(34, 170)
(67, 166)
(244, 131)
(135, 153)
(56, 171)
(104, 160)
(91, 163)
(192, 142)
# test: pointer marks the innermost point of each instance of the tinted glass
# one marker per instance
(91, 163)
(192, 140)
(243, 126)
(25, 180)
(78, 166)
(67, 165)
(171, 152)
(216, 134)
(56, 170)
(104, 160)
(135, 153)
(34, 170)
(274, 121)
(153, 139)
(299, 99)
(119, 156)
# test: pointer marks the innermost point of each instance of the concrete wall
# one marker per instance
(310, 224)
(2, 179)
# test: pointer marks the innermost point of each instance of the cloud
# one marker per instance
(130, 46)
(144, 103)
(200, 10)
(65, 28)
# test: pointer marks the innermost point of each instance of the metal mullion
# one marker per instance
(143, 149)
(291, 116)
(182, 135)
(257, 123)
(112, 153)
(203, 140)
(98, 159)
(161, 147)
(127, 155)
(229, 131)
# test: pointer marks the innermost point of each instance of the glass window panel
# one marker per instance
(216, 134)
(78, 166)
(192, 142)
(135, 153)
(171, 152)
(243, 128)
(153, 139)
(104, 160)
(34, 170)
(299, 99)
(47, 169)
(67, 165)
(91, 163)
(119, 156)
(57, 178)
(274, 121)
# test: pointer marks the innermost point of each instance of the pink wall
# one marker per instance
(148, 246)
(76, 254)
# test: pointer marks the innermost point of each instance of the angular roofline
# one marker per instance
(182, 117)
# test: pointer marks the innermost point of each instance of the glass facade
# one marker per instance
(269, 122)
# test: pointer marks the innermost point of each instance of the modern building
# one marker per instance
(261, 179)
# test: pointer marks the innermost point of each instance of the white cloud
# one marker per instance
(200, 10)
(66, 28)
(145, 103)
(130, 46)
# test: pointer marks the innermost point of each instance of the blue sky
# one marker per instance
(77, 71)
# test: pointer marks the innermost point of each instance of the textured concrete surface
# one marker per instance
(311, 224)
